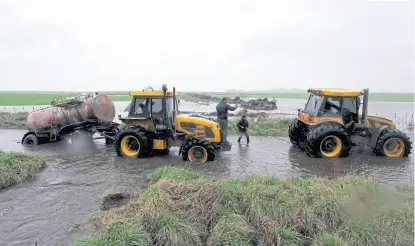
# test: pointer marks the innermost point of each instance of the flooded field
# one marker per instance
(44, 210)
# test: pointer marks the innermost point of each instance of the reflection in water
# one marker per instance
(388, 170)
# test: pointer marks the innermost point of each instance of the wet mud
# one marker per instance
(44, 209)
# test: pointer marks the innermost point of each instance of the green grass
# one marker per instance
(32, 98)
(119, 234)
(15, 168)
(245, 211)
(12, 116)
(173, 173)
(45, 98)
(20, 98)
(13, 120)
(109, 194)
(263, 127)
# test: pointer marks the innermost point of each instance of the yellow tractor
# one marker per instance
(331, 123)
(153, 125)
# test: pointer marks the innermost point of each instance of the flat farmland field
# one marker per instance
(45, 98)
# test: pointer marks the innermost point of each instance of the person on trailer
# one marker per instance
(242, 126)
(222, 113)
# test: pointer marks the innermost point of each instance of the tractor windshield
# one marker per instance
(314, 104)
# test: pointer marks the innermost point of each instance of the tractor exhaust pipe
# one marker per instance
(174, 109)
(164, 108)
(365, 105)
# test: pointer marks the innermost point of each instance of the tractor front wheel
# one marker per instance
(328, 141)
(393, 143)
(198, 150)
(132, 143)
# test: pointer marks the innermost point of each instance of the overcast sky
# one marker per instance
(206, 46)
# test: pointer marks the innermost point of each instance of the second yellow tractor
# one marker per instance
(330, 124)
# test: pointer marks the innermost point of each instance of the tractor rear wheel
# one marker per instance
(296, 131)
(393, 143)
(132, 143)
(198, 150)
(328, 140)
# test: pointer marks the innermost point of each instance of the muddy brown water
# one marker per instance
(44, 209)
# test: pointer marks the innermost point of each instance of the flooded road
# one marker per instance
(44, 209)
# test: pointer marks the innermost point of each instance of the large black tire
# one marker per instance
(30, 140)
(403, 149)
(140, 145)
(328, 140)
(295, 131)
(192, 145)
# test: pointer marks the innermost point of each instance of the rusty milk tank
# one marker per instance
(99, 108)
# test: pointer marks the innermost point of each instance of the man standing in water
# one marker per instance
(222, 112)
(243, 129)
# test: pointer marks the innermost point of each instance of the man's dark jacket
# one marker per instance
(242, 125)
(222, 109)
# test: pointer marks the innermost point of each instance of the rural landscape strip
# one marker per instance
(179, 207)
(44, 98)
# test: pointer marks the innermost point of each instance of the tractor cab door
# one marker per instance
(344, 107)
(157, 111)
(151, 108)
(140, 107)
(332, 106)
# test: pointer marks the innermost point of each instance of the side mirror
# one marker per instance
(178, 101)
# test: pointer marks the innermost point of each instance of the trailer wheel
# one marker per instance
(393, 143)
(328, 140)
(132, 143)
(198, 150)
(30, 139)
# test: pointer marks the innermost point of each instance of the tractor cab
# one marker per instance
(340, 105)
(151, 109)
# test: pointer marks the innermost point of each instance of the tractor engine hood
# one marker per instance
(383, 120)
(196, 120)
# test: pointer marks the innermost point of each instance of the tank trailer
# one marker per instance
(73, 118)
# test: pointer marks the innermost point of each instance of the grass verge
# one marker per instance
(259, 210)
(15, 168)
(13, 120)
(263, 127)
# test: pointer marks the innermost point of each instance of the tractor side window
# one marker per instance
(350, 103)
(313, 105)
(332, 105)
(141, 107)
